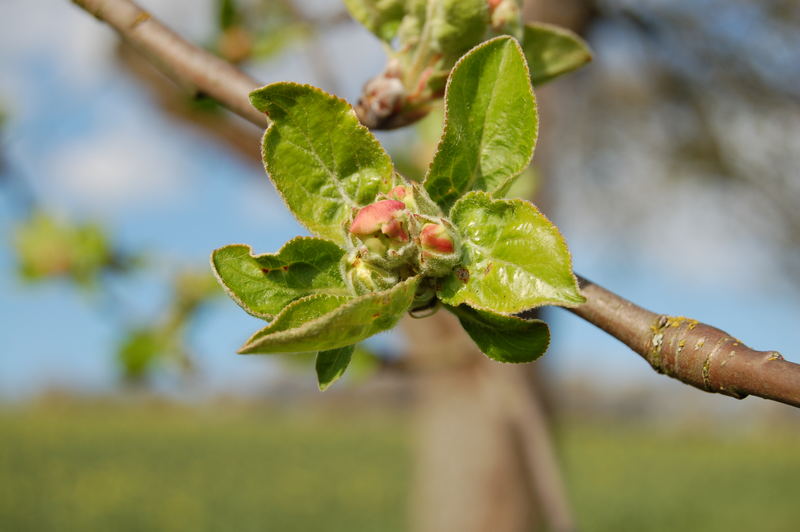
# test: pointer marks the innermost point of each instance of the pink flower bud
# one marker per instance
(380, 216)
(435, 237)
(399, 192)
(405, 194)
(394, 229)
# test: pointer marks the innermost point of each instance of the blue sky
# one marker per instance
(94, 146)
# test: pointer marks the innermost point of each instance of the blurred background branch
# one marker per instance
(193, 68)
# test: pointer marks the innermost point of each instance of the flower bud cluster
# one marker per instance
(393, 240)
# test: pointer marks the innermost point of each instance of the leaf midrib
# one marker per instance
(491, 104)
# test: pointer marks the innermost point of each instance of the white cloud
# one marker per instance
(114, 168)
(81, 47)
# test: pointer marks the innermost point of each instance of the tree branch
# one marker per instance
(188, 65)
(692, 352)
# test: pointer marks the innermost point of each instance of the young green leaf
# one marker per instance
(443, 28)
(323, 322)
(552, 51)
(264, 284)
(504, 338)
(490, 123)
(455, 26)
(381, 17)
(331, 364)
(514, 258)
(321, 159)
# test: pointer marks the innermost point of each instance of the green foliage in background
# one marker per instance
(257, 30)
(83, 253)
(50, 248)
(161, 340)
(167, 468)
(403, 246)
(159, 467)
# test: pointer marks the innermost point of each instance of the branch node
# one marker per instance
(692, 352)
(774, 355)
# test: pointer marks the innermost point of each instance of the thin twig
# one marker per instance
(692, 352)
(187, 64)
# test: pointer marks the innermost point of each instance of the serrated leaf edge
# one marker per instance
(325, 385)
(250, 344)
(264, 331)
(445, 122)
(566, 32)
(562, 243)
(232, 294)
(504, 315)
(272, 124)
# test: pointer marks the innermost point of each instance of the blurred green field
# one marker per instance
(629, 478)
(161, 467)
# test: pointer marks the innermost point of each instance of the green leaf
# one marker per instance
(323, 322)
(504, 338)
(49, 248)
(323, 162)
(455, 26)
(381, 17)
(514, 258)
(552, 51)
(490, 123)
(331, 365)
(263, 284)
(140, 351)
(444, 28)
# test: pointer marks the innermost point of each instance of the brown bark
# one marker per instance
(189, 65)
(241, 137)
(694, 353)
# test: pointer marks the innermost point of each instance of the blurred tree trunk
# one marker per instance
(468, 474)
(484, 457)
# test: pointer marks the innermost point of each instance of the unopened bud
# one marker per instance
(436, 238)
(399, 192)
(365, 278)
(439, 251)
(394, 230)
(505, 17)
(416, 199)
(381, 216)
